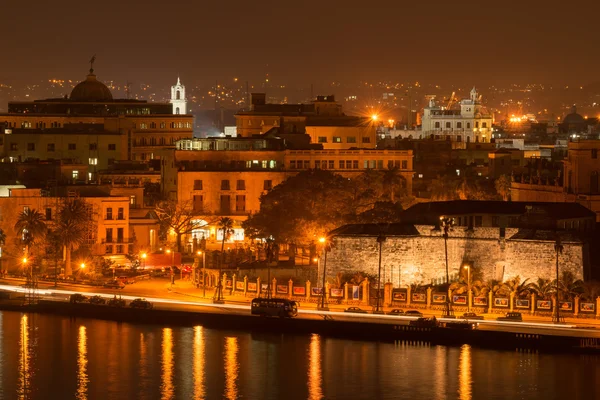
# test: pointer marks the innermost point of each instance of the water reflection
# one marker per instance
(143, 358)
(464, 375)
(441, 364)
(82, 361)
(24, 359)
(315, 377)
(199, 362)
(166, 386)
(231, 367)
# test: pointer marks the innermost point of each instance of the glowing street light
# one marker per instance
(374, 117)
(24, 260)
(323, 292)
(468, 268)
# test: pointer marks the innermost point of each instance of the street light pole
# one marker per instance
(446, 225)
(468, 268)
(323, 293)
(558, 247)
(380, 239)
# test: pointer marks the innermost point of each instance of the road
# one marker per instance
(157, 292)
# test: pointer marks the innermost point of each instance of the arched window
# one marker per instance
(468, 125)
(178, 96)
(476, 124)
(468, 139)
(484, 124)
(458, 138)
(459, 125)
(448, 125)
(177, 109)
(437, 124)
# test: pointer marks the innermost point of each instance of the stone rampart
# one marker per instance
(421, 258)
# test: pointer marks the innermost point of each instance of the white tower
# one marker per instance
(178, 98)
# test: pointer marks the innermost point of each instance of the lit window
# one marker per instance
(93, 161)
(75, 174)
(337, 139)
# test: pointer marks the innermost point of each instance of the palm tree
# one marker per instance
(591, 290)
(226, 225)
(494, 286)
(30, 227)
(71, 227)
(569, 286)
(518, 288)
(543, 288)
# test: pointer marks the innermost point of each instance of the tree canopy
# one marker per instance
(314, 202)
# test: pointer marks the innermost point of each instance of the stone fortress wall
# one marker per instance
(420, 259)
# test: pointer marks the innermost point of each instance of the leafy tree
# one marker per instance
(591, 290)
(178, 217)
(543, 288)
(30, 227)
(502, 185)
(303, 207)
(493, 285)
(443, 188)
(382, 212)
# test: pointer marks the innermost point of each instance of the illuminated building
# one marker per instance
(323, 120)
(472, 122)
(178, 98)
(226, 177)
(89, 126)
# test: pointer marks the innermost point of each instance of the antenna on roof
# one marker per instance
(127, 86)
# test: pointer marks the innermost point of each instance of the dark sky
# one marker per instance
(298, 42)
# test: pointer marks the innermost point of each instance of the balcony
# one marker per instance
(117, 240)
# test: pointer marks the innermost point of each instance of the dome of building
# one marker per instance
(91, 90)
(573, 118)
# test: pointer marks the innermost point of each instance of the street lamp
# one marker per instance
(324, 307)
(558, 247)
(380, 239)
(81, 267)
(446, 224)
(468, 268)
(144, 255)
(203, 272)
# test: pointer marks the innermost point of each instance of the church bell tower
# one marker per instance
(178, 98)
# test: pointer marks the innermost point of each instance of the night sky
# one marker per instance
(300, 42)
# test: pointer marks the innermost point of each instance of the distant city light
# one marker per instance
(374, 117)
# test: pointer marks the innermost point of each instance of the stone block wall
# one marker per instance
(421, 258)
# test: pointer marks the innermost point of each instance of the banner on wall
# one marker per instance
(239, 286)
(398, 295)
(283, 289)
(264, 286)
(228, 284)
(459, 299)
(299, 291)
(480, 301)
(438, 298)
(355, 292)
(501, 302)
(544, 305)
(316, 291)
(337, 292)
(252, 287)
(419, 297)
(587, 307)
(522, 303)
(566, 306)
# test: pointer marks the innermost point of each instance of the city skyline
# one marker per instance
(442, 42)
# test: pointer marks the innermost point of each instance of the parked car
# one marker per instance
(413, 313)
(141, 303)
(97, 300)
(471, 315)
(511, 316)
(127, 280)
(116, 302)
(78, 298)
(357, 310)
(396, 311)
(114, 284)
(425, 322)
